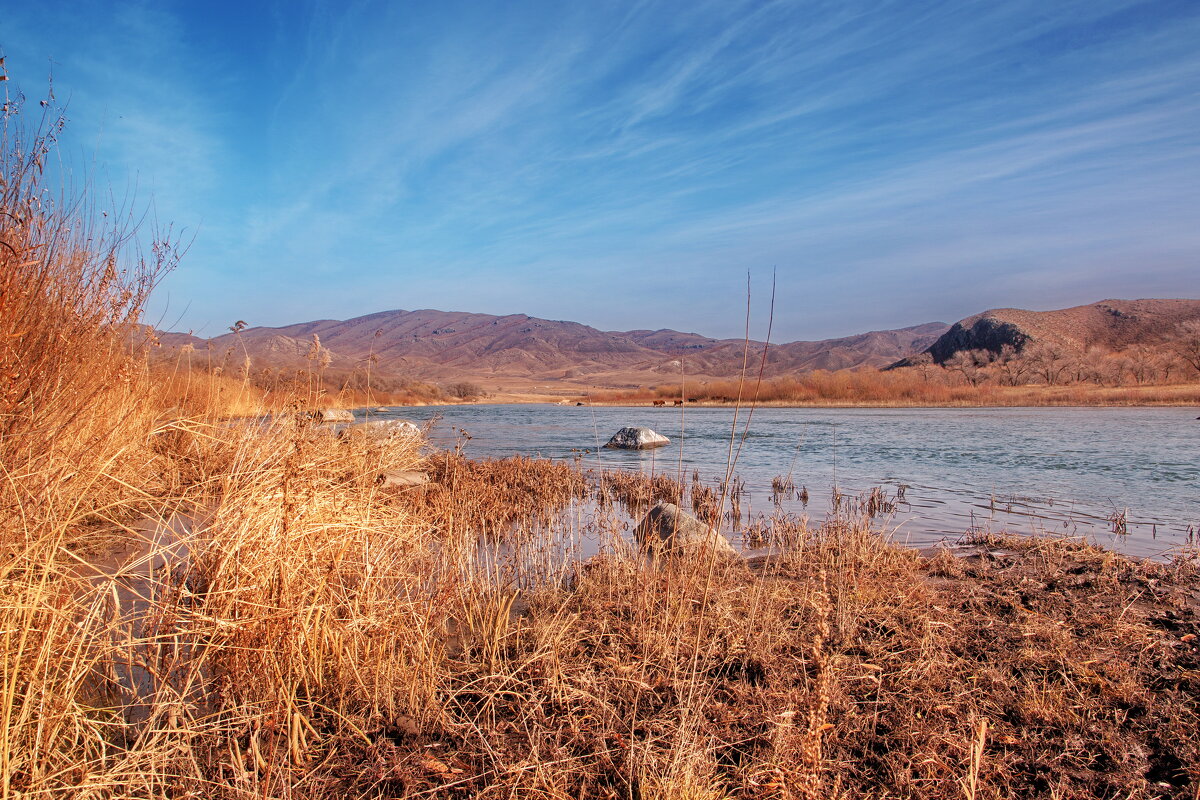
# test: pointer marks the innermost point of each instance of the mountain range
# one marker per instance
(517, 349)
(437, 346)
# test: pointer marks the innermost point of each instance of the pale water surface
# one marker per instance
(1063, 471)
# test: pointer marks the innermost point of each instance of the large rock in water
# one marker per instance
(668, 529)
(637, 439)
(334, 415)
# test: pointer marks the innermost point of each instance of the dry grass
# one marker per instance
(196, 394)
(495, 498)
(199, 390)
(73, 392)
(325, 636)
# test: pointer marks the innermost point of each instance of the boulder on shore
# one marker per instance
(667, 528)
(381, 429)
(632, 438)
(402, 478)
(334, 415)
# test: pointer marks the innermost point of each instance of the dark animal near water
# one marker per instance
(678, 403)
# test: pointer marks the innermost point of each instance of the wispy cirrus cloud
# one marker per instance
(897, 162)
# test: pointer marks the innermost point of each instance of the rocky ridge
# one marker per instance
(1110, 324)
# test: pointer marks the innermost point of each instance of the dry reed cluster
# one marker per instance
(494, 499)
(196, 381)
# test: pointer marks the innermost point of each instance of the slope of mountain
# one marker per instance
(441, 345)
(1111, 324)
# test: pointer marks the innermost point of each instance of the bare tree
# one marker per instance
(465, 390)
(1091, 365)
(1186, 343)
(1049, 361)
(923, 363)
(1115, 368)
(1141, 363)
(970, 364)
(1011, 366)
(1169, 364)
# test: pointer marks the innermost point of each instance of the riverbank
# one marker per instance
(326, 635)
(1179, 395)
(322, 635)
(931, 397)
(199, 392)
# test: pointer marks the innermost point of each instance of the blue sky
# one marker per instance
(626, 165)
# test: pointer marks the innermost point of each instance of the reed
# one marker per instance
(199, 388)
(74, 391)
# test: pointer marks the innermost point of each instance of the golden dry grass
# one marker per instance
(194, 390)
(328, 636)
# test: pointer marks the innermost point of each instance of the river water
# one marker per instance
(1127, 478)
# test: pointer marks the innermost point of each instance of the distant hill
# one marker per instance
(1110, 324)
(442, 345)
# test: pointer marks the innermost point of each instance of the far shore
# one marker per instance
(866, 404)
(1169, 396)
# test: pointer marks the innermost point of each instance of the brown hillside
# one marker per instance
(440, 345)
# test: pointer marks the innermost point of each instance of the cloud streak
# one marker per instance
(897, 162)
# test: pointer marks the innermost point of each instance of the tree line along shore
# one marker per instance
(243, 392)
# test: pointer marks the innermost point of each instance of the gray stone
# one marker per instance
(381, 429)
(403, 478)
(668, 529)
(334, 415)
(631, 438)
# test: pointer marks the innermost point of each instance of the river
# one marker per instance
(1126, 478)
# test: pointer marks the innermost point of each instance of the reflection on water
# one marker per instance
(134, 577)
(1070, 471)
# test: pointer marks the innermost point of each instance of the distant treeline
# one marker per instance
(1040, 374)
